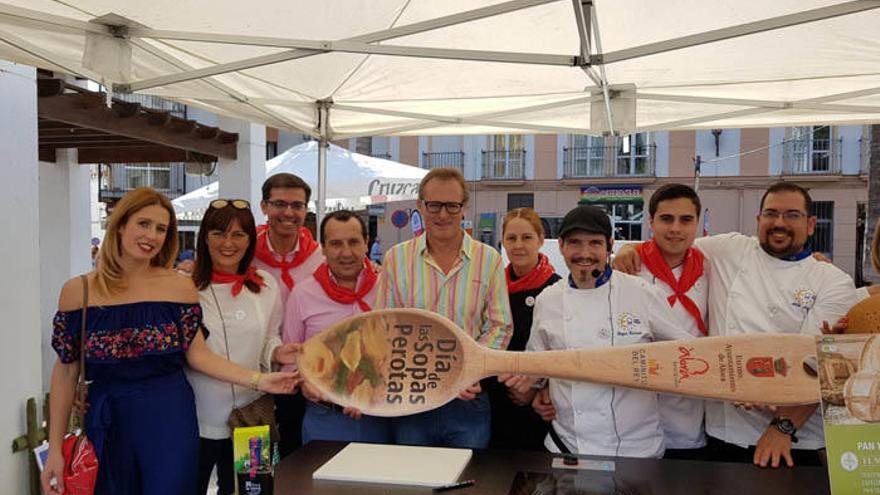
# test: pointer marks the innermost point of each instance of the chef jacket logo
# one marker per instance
(628, 324)
(767, 367)
(804, 298)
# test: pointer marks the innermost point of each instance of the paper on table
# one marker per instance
(395, 464)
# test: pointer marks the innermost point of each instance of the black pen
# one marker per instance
(453, 486)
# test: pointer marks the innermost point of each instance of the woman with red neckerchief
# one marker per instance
(242, 311)
(515, 425)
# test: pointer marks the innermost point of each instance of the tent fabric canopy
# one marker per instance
(354, 181)
(422, 67)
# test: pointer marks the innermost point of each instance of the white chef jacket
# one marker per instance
(753, 292)
(253, 330)
(601, 419)
(682, 417)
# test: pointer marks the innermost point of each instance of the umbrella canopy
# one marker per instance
(353, 180)
(407, 67)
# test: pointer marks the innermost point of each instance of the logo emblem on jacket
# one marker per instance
(628, 324)
(804, 298)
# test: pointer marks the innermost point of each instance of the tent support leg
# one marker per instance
(323, 144)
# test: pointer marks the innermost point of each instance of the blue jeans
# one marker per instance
(460, 423)
(328, 423)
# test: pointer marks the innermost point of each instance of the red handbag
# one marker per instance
(80, 458)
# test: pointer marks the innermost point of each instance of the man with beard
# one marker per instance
(768, 284)
(286, 249)
(596, 307)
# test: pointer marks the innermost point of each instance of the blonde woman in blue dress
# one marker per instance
(144, 325)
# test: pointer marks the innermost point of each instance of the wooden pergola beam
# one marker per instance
(87, 111)
(129, 154)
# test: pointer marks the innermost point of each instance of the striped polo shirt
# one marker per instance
(473, 294)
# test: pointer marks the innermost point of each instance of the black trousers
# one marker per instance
(289, 411)
(721, 451)
(219, 453)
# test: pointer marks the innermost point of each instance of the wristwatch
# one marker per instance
(785, 425)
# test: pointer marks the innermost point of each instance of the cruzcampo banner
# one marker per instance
(849, 376)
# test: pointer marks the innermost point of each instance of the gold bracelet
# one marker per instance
(255, 380)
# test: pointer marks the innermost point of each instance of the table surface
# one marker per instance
(495, 470)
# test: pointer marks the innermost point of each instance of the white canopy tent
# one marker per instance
(345, 68)
(354, 181)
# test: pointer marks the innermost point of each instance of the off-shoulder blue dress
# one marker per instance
(141, 416)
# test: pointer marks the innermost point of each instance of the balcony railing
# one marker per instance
(608, 161)
(504, 165)
(812, 157)
(116, 180)
(443, 159)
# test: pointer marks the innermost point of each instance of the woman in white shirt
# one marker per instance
(242, 311)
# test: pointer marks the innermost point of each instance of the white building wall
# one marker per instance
(20, 357)
(727, 161)
(777, 150)
(661, 165)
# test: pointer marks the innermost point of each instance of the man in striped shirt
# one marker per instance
(448, 272)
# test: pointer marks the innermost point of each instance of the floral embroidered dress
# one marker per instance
(141, 416)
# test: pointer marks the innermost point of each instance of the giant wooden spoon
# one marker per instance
(404, 361)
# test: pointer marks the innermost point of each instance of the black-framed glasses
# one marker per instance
(238, 204)
(789, 215)
(452, 207)
(280, 204)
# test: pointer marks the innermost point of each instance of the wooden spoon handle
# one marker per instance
(759, 368)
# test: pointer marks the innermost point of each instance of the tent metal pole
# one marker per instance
(746, 29)
(48, 57)
(383, 35)
(323, 107)
(235, 95)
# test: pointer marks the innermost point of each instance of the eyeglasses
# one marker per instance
(452, 207)
(790, 215)
(239, 204)
(282, 205)
(236, 236)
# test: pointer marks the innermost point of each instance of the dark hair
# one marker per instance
(673, 191)
(788, 187)
(221, 219)
(343, 216)
(285, 181)
(445, 174)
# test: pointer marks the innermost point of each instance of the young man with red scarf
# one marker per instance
(673, 265)
(343, 286)
(287, 250)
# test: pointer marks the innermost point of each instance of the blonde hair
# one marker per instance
(445, 174)
(875, 248)
(109, 274)
(527, 214)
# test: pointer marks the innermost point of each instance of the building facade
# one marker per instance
(553, 173)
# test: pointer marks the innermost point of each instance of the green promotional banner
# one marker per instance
(849, 376)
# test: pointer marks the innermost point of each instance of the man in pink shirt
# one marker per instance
(287, 250)
(343, 286)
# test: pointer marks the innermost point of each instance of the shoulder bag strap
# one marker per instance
(225, 338)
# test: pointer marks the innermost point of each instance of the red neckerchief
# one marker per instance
(344, 295)
(651, 257)
(238, 280)
(307, 246)
(532, 280)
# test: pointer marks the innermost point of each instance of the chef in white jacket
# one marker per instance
(596, 307)
(768, 284)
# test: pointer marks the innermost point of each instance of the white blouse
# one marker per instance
(253, 331)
